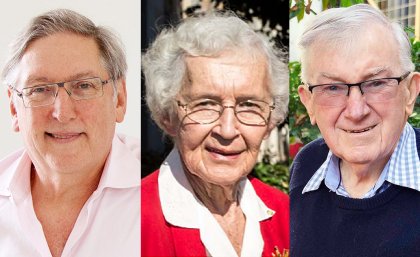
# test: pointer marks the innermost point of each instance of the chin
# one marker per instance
(358, 158)
(223, 179)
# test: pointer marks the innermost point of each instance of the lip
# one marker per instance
(63, 137)
(223, 154)
(361, 130)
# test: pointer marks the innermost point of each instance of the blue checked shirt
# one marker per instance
(403, 169)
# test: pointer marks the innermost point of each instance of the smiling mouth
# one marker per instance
(63, 136)
(359, 130)
(221, 152)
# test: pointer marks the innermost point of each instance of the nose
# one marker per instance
(63, 106)
(356, 108)
(227, 125)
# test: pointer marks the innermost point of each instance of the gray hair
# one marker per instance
(63, 20)
(164, 64)
(338, 26)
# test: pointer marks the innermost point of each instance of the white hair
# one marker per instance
(339, 26)
(164, 64)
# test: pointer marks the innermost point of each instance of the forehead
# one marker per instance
(229, 74)
(372, 51)
(59, 57)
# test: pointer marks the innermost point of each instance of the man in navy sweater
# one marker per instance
(356, 191)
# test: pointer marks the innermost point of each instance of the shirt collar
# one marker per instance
(404, 165)
(180, 205)
(402, 169)
(15, 174)
(122, 168)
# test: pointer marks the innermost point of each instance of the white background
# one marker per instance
(123, 17)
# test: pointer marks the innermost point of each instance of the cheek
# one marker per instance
(32, 123)
(192, 137)
(99, 117)
(327, 118)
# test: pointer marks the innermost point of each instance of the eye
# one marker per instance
(203, 103)
(375, 83)
(84, 85)
(36, 90)
(251, 105)
(334, 88)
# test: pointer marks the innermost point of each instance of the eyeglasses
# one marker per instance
(42, 95)
(249, 112)
(375, 90)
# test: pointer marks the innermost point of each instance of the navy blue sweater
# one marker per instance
(324, 224)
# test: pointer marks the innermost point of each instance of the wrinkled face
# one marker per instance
(226, 150)
(69, 135)
(360, 132)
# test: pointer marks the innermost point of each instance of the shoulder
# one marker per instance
(11, 158)
(130, 144)
(275, 230)
(307, 161)
(149, 187)
(9, 164)
(271, 196)
(150, 200)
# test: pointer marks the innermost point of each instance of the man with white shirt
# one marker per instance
(356, 192)
(74, 188)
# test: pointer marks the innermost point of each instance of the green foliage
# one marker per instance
(276, 175)
(301, 128)
(414, 118)
(298, 8)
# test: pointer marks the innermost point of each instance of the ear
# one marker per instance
(270, 128)
(414, 89)
(121, 101)
(306, 99)
(13, 112)
(170, 126)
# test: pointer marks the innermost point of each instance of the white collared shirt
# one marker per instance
(108, 224)
(182, 208)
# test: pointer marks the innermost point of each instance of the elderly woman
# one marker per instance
(217, 89)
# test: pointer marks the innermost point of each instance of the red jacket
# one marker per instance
(159, 238)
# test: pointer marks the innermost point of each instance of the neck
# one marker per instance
(358, 179)
(56, 186)
(217, 198)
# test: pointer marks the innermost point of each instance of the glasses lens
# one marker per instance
(330, 95)
(250, 112)
(380, 90)
(253, 112)
(86, 89)
(204, 111)
(39, 95)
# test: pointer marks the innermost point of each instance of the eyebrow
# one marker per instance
(34, 79)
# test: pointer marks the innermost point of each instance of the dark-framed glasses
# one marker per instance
(42, 95)
(375, 90)
(248, 112)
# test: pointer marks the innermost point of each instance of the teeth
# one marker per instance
(359, 131)
(62, 136)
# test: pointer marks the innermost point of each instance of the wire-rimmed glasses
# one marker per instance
(248, 112)
(375, 90)
(42, 95)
